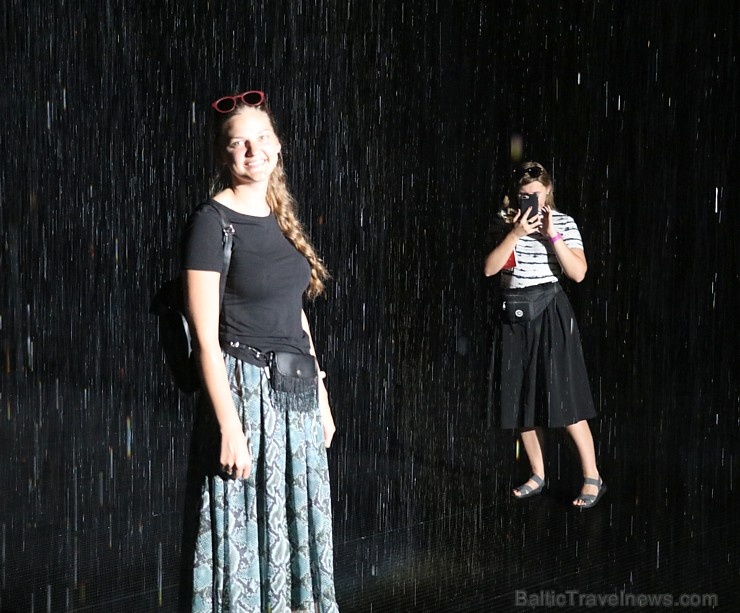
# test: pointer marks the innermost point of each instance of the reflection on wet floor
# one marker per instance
(410, 535)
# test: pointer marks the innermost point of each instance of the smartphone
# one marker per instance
(528, 205)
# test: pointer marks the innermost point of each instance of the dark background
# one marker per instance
(398, 121)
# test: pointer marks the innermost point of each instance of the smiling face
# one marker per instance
(249, 147)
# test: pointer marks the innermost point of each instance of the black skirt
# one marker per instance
(538, 375)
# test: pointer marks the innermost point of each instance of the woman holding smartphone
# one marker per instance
(539, 375)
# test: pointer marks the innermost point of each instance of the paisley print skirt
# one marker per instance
(263, 544)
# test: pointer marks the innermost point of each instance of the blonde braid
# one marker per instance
(279, 199)
(282, 204)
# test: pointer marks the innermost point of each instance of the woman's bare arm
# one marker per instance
(326, 417)
(202, 292)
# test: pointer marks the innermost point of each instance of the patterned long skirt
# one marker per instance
(263, 544)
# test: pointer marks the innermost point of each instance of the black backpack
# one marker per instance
(174, 332)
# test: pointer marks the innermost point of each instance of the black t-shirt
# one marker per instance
(267, 277)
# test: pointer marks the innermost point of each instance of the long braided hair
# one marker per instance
(279, 199)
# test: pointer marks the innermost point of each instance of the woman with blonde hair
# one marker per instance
(538, 371)
(258, 513)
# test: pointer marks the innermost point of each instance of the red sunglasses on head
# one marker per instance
(228, 103)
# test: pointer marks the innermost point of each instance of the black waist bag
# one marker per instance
(289, 372)
(528, 303)
(292, 372)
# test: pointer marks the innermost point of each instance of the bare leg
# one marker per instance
(581, 434)
(531, 442)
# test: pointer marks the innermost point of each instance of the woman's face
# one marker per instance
(535, 188)
(251, 147)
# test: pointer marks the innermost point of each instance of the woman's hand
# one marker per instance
(572, 261)
(548, 225)
(499, 257)
(327, 421)
(202, 291)
(526, 226)
(236, 457)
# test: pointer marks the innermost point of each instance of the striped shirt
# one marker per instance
(536, 262)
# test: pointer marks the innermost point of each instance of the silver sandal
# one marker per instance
(527, 491)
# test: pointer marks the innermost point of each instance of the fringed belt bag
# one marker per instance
(294, 373)
(528, 303)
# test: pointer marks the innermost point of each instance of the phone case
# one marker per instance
(528, 205)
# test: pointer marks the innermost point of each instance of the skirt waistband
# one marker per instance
(532, 290)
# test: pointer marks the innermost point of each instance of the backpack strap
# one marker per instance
(228, 245)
